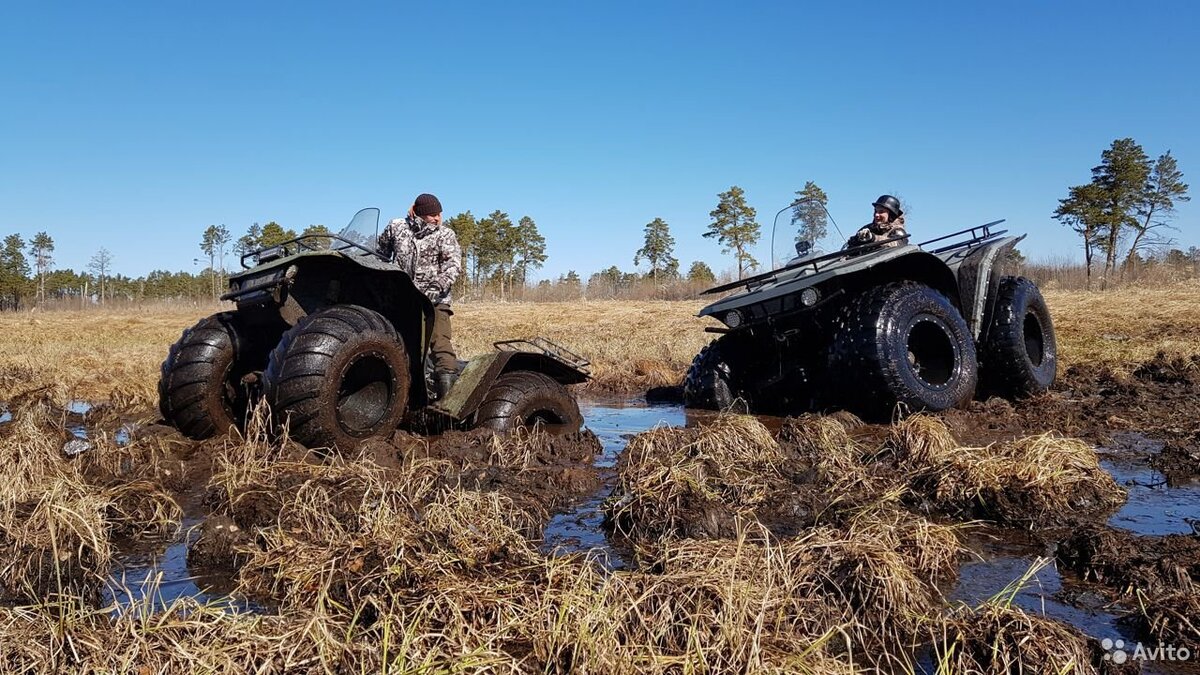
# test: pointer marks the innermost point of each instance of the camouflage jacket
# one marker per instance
(871, 233)
(428, 253)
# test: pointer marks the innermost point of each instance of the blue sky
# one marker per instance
(135, 125)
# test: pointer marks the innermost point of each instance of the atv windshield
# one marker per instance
(358, 238)
(803, 229)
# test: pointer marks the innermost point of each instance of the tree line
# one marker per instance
(1124, 217)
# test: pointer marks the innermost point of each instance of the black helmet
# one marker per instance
(889, 203)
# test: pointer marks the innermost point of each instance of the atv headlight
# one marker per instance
(809, 297)
(270, 254)
(733, 318)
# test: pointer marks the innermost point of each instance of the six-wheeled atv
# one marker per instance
(335, 339)
(871, 326)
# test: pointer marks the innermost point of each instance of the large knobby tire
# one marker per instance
(902, 343)
(199, 387)
(1020, 356)
(709, 383)
(524, 398)
(338, 377)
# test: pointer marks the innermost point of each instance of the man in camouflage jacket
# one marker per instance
(428, 251)
(887, 224)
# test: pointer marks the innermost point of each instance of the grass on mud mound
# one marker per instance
(1035, 479)
(703, 482)
(58, 514)
(1001, 639)
(1157, 576)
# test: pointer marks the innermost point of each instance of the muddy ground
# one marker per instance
(564, 489)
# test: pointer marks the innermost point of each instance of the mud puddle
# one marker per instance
(614, 423)
(158, 570)
(1157, 504)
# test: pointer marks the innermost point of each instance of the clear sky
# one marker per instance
(134, 125)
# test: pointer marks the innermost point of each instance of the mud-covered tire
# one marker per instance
(902, 343)
(709, 383)
(1020, 355)
(338, 377)
(199, 386)
(524, 398)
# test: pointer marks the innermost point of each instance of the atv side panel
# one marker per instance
(481, 373)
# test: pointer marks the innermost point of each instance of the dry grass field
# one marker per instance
(95, 354)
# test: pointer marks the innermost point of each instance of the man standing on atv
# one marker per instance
(428, 251)
(888, 224)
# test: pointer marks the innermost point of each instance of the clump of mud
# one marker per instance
(1032, 480)
(220, 546)
(996, 638)
(537, 469)
(1159, 398)
(1128, 562)
(1157, 577)
(1170, 619)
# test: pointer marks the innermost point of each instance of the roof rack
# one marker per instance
(540, 345)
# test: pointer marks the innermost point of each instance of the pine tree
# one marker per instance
(1122, 176)
(40, 248)
(657, 247)
(14, 272)
(100, 265)
(318, 236)
(273, 234)
(251, 241)
(700, 272)
(529, 248)
(1082, 210)
(213, 244)
(809, 215)
(466, 230)
(1163, 189)
(734, 227)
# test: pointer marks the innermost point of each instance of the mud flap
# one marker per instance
(472, 385)
(979, 280)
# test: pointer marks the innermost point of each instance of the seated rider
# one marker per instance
(888, 224)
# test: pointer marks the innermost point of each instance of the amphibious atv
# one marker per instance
(335, 339)
(869, 327)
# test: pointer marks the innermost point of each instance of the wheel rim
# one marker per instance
(366, 393)
(542, 417)
(1035, 340)
(932, 355)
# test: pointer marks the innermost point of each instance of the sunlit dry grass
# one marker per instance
(632, 345)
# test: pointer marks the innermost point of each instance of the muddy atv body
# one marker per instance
(335, 340)
(877, 328)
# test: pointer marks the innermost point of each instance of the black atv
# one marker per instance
(872, 326)
(335, 339)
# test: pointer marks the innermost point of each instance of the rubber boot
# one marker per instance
(444, 381)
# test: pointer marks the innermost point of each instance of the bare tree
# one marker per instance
(100, 265)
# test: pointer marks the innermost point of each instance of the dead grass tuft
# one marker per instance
(1027, 480)
(694, 482)
(999, 639)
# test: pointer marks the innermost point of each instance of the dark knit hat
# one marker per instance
(427, 205)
